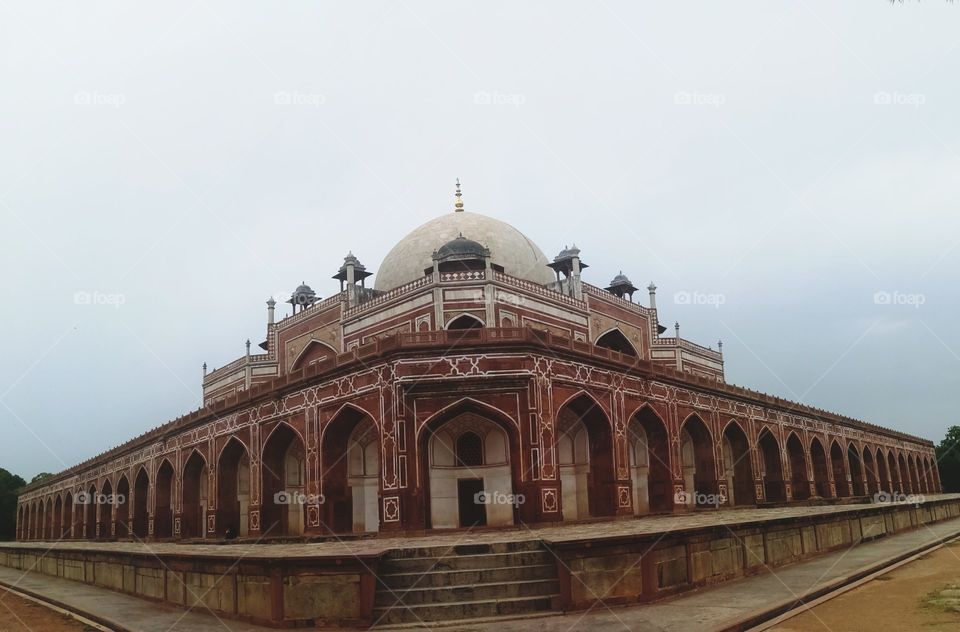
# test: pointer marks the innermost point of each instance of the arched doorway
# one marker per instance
(90, 514)
(48, 520)
(699, 467)
(68, 519)
(839, 470)
(773, 487)
(195, 483)
(906, 487)
(141, 490)
(57, 531)
(470, 476)
(20, 522)
(928, 477)
(123, 508)
(649, 453)
(914, 475)
(233, 490)
(799, 480)
(465, 321)
(883, 472)
(585, 456)
(821, 476)
(350, 478)
(105, 511)
(856, 471)
(616, 341)
(895, 480)
(871, 473)
(284, 483)
(737, 469)
(163, 495)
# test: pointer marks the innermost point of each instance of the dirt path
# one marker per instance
(21, 615)
(922, 595)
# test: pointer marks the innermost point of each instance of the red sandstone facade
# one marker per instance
(388, 410)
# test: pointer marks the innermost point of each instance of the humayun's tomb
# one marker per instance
(476, 384)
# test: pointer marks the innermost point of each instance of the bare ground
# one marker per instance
(20, 615)
(922, 595)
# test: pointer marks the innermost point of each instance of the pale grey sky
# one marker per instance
(779, 162)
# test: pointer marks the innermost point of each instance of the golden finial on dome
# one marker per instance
(458, 207)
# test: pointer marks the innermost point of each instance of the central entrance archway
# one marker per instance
(470, 454)
(585, 456)
(284, 483)
(649, 452)
(350, 473)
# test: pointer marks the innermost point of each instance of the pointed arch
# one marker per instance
(914, 474)
(464, 321)
(774, 489)
(105, 503)
(895, 481)
(615, 340)
(57, 531)
(122, 517)
(870, 472)
(905, 485)
(858, 485)
(883, 472)
(314, 351)
(90, 513)
(141, 491)
(283, 485)
(163, 499)
(233, 489)
(821, 476)
(596, 478)
(737, 466)
(799, 477)
(699, 464)
(350, 471)
(194, 491)
(648, 447)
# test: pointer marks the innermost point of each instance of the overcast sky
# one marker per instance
(788, 167)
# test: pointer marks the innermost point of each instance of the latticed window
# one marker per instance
(469, 450)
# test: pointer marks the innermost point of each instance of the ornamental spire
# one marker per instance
(458, 207)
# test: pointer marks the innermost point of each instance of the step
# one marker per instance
(465, 549)
(473, 623)
(463, 609)
(470, 592)
(467, 576)
(464, 562)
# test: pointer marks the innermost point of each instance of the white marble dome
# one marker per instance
(509, 248)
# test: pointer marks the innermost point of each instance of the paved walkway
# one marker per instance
(645, 525)
(718, 607)
(116, 610)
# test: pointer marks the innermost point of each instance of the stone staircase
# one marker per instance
(441, 585)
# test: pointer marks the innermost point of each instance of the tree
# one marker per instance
(42, 476)
(948, 460)
(9, 486)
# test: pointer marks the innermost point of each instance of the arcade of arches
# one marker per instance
(472, 466)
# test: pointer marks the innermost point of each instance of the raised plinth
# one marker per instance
(471, 575)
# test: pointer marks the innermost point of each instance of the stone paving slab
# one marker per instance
(118, 611)
(642, 526)
(718, 607)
